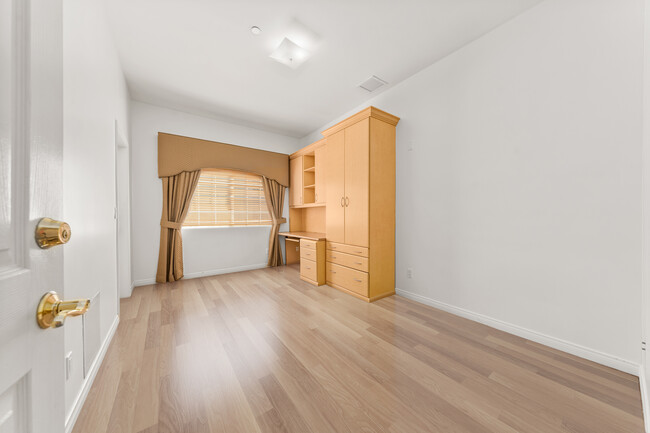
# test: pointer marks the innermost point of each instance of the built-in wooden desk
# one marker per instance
(308, 249)
(304, 235)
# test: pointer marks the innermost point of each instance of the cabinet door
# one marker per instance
(295, 186)
(320, 156)
(357, 173)
(334, 175)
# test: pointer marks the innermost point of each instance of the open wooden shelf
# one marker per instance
(310, 169)
(310, 186)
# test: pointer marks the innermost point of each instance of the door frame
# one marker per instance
(122, 244)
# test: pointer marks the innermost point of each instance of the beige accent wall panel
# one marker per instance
(356, 183)
(382, 209)
(295, 169)
(335, 174)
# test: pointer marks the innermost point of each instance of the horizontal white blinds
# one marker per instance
(228, 198)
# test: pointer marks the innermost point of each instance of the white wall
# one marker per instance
(519, 203)
(645, 303)
(95, 97)
(206, 250)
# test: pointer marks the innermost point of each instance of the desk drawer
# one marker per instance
(308, 269)
(354, 281)
(306, 243)
(348, 249)
(355, 262)
(306, 253)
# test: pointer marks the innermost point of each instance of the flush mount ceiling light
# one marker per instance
(290, 54)
(256, 30)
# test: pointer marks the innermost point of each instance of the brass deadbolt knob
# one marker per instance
(50, 233)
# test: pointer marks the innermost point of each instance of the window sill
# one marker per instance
(222, 227)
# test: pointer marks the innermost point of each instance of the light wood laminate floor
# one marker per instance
(262, 351)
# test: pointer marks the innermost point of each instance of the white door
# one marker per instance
(31, 130)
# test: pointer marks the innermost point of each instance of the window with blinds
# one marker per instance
(228, 198)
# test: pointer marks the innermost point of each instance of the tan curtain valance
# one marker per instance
(177, 154)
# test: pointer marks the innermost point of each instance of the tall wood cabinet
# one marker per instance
(360, 206)
(344, 186)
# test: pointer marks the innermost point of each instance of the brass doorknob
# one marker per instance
(52, 311)
(51, 232)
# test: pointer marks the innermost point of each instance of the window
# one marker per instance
(228, 198)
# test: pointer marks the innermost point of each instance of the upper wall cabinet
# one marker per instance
(295, 179)
(307, 169)
(320, 156)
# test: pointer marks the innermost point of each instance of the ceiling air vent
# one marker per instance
(373, 83)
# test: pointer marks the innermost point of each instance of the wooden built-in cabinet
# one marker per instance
(344, 186)
(335, 203)
(295, 176)
(307, 176)
(312, 261)
(320, 155)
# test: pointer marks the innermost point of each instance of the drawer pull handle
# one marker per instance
(359, 252)
(333, 272)
(357, 280)
(333, 257)
(358, 263)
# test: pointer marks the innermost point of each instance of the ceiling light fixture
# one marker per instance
(256, 30)
(289, 53)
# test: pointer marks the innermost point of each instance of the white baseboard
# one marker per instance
(143, 282)
(224, 271)
(556, 343)
(645, 404)
(92, 373)
(148, 281)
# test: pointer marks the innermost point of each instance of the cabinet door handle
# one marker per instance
(347, 201)
(342, 201)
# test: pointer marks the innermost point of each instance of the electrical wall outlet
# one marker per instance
(409, 273)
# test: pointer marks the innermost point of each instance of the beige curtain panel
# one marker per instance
(177, 154)
(274, 193)
(177, 196)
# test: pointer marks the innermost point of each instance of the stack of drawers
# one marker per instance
(312, 261)
(347, 268)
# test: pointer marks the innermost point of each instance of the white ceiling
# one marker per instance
(199, 55)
